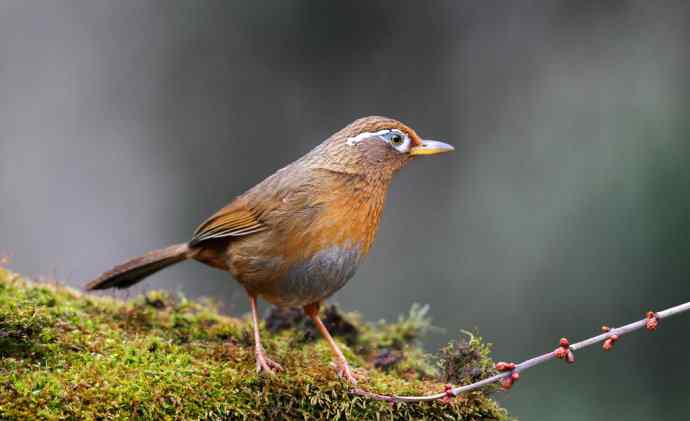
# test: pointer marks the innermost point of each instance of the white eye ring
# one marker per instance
(387, 136)
(398, 140)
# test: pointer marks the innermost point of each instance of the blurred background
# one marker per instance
(123, 124)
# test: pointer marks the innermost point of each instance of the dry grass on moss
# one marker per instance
(65, 355)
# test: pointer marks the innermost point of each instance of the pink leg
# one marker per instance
(342, 367)
(263, 363)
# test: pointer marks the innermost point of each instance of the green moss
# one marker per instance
(65, 355)
(466, 361)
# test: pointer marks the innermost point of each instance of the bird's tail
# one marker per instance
(135, 270)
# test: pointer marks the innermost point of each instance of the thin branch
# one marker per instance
(565, 351)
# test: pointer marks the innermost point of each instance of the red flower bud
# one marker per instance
(503, 366)
(560, 353)
(448, 390)
(652, 321)
(608, 343)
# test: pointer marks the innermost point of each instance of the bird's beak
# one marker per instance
(431, 147)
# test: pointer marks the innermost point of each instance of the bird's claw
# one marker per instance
(342, 368)
(265, 364)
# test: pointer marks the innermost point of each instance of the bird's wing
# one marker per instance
(235, 220)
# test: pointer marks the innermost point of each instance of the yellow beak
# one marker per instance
(431, 147)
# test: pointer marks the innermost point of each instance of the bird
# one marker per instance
(299, 235)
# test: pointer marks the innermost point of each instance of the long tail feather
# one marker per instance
(135, 270)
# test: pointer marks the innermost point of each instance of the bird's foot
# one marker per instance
(342, 368)
(265, 364)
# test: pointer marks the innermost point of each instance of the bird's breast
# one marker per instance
(317, 277)
(312, 249)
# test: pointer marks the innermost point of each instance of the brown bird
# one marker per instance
(298, 236)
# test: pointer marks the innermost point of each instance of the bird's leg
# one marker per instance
(342, 367)
(263, 363)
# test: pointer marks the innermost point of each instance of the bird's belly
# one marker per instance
(312, 279)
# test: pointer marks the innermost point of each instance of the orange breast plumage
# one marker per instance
(307, 257)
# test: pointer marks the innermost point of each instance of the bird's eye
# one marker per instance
(396, 139)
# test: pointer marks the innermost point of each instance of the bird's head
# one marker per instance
(378, 145)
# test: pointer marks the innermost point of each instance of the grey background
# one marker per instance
(123, 124)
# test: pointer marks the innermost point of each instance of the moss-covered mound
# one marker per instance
(65, 355)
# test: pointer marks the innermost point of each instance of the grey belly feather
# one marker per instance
(319, 277)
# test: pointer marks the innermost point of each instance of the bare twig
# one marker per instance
(564, 351)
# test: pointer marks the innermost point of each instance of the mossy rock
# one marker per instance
(66, 355)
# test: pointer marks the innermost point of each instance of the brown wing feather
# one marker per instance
(235, 220)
